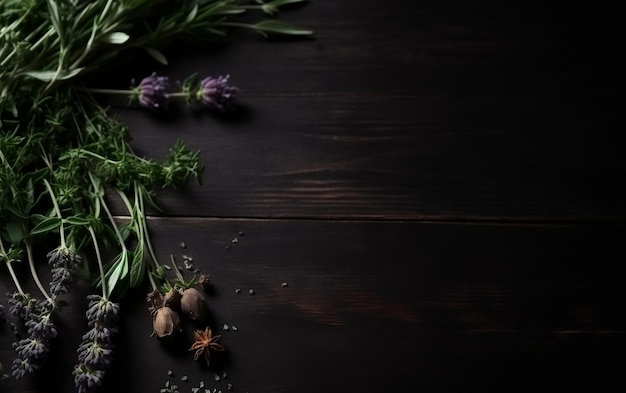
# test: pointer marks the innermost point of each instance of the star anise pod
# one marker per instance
(205, 343)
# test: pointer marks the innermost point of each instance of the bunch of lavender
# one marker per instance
(39, 316)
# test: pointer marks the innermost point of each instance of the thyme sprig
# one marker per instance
(63, 156)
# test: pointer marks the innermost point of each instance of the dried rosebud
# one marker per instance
(204, 281)
(193, 304)
(165, 322)
(172, 299)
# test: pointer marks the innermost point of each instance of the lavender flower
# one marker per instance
(64, 264)
(152, 92)
(22, 367)
(95, 353)
(217, 93)
(41, 331)
(21, 304)
(101, 310)
(87, 379)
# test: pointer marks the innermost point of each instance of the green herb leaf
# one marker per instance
(47, 76)
(271, 7)
(276, 26)
(156, 55)
(192, 14)
(137, 269)
(47, 225)
(15, 232)
(118, 274)
(116, 38)
(76, 220)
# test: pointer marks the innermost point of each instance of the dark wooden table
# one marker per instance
(438, 184)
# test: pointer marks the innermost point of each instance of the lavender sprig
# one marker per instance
(95, 352)
(64, 263)
(39, 320)
(153, 92)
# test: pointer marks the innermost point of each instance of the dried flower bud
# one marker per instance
(193, 304)
(166, 322)
(204, 281)
(172, 299)
(155, 300)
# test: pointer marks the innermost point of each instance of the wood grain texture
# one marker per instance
(417, 111)
(374, 306)
(438, 183)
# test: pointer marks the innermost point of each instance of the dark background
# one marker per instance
(440, 184)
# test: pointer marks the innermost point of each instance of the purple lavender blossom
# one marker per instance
(41, 331)
(87, 379)
(21, 367)
(99, 333)
(95, 352)
(216, 93)
(21, 304)
(152, 92)
(102, 310)
(64, 264)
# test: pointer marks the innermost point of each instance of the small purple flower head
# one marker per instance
(216, 93)
(22, 367)
(101, 310)
(96, 350)
(21, 304)
(152, 92)
(31, 351)
(87, 379)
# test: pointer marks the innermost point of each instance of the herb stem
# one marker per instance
(152, 282)
(178, 274)
(57, 210)
(33, 271)
(145, 231)
(8, 261)
(110, 216)
(109, 91)
(96, 247)
(14, 277)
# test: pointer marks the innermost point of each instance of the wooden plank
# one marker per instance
(417, 111)
(371, 306)
(446, 157)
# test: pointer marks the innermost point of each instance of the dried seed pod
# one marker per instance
(172, 299)
(204, 281)
(155, 300)
(193, 304)
(166, 322)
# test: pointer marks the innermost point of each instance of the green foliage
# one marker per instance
(63, 156)
(61, 152)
